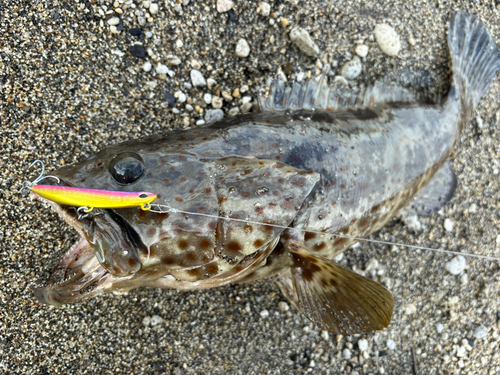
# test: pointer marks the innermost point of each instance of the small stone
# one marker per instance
(113, 21)
(227, 96)
(217, 102)
(264, 313)
(361, 50)
(352, 69)
(137, 51)
(233, 111)
(141, 21)
(213, 115)
(363, 344)
(188, 85)
(264, 9)
(461, 352)
(412, 222)
(135, 31)
(246, 107)
(480, 332)
(211, 83)
(173, 60)
(161, 69)
(456, 265)
(346, 353)
(146, 321)
(439, 327)
(410, 309)
(185, 2)
(195, 64)
(245, 88)
(391, 345)
(147, 66)
(242, 48)
(448, 225)
(325, 335)
(372, 264)
(189, 108)
(146, 4)
(155, 320)
(197, 78)
(283, 306)
(149, 34)
(464, 279)
(387, 39)
(207, 98)
(284, 22)
(302, 39)
(170, 99)
(236, 93)
(153, 8)
(200, 122)
(224, 5)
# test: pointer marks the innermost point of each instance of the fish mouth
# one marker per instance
(79, 274)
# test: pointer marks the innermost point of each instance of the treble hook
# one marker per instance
(29, 184)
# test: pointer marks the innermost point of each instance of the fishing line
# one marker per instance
(160, 209)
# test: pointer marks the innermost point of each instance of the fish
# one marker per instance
(276, 194)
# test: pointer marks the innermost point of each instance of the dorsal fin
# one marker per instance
(316, 93)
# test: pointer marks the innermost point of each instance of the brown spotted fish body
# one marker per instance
(314, 159)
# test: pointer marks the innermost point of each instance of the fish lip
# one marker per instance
(83, 275)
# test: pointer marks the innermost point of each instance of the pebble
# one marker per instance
(173, 60)
(170, 99)
(141, 21)
(137, 51)
(233, 111)
(242, 48)
(283, 306)
(113, 21)
(387, 39)
(136, 31)
(200, 122)
(456, 265)
(213, 115)
(146, 321)
(147, 66)
(439, 327)
(153, 8)
(161, 69)
(149, 34)
(264, 9)
(464, 279)
(363, 344)
(351, 69)
(155, 320)
(361, 50)
(372, 264)
(182, 97)
(197, 78)
(410, 309)
(207, 98)
(211, 83)
(227, 96)
(325, 335)
(302, 39)
(217, 102)
(412, 222)
(224, 5)
(189, 108)
(264, 313)
(346, 353)
(480, 332)
(461, 351)
(246, 107)
(448, 225)
(391, 345)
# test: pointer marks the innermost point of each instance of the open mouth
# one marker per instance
(79, 275)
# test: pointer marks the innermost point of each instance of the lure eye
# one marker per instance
(127, 168)
(143, 195)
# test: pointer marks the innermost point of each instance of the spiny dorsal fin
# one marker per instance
(334, 298)
(316, 93)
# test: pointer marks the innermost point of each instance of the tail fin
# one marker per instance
(475, 58)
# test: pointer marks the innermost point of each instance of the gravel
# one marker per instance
(64, 95)
(197, 78)
(301, 38)
(242, 48)
(387, 39)
(352, 69)
(456, 265)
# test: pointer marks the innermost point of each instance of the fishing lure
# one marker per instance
(88, 199)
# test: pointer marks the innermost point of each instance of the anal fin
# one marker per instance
(334, 298)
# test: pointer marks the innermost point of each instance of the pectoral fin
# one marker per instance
(434, 196)
(334, 298)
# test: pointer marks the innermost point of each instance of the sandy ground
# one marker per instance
(69, 87)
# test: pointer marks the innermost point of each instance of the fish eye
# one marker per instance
(143, 195)
(127, 168)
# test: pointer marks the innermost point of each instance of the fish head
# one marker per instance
(208, 218)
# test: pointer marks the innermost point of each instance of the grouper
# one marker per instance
(276, 193)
